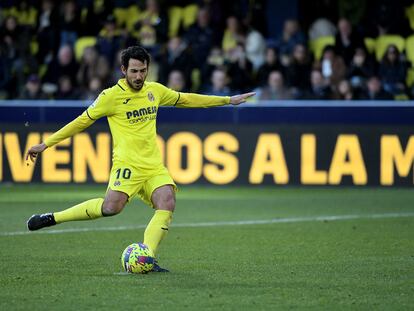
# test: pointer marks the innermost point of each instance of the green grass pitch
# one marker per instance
(228, 249)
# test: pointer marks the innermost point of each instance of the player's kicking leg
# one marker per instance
(113, 204)
(163, 200)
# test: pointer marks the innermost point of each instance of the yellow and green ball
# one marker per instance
(137, 258)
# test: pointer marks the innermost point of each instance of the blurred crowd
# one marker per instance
(206, 46)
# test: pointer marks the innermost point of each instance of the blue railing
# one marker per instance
(265, 112)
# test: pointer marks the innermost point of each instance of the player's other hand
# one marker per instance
(238, 99)
(34, 150)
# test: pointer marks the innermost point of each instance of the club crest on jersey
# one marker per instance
(151, 97)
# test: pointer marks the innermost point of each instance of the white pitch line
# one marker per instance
(122, 273)
(219, 223)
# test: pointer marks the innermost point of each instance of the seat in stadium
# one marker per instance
(179, 15)
(410, 77)
(409, 12)
(126, 17)
(317, 45)
(370, 45)
(81, 44)
(384, 41)
(409, 49)
(121, 16)
(133, 17)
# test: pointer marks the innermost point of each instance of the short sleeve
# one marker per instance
(168, 97)
(101, 107)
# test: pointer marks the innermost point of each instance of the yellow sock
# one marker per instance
(157, 229)
(84, 211)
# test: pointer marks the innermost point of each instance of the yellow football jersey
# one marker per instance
(132, 120)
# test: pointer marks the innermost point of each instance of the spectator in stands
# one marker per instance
(361, 68)
(290, 37)
(69, 23)
(298, 72)
(109, 40)
(5, 77)
(275, 88)
(116, 73)
(214, 60)
(94, 88)
(393, 71)
(347, 40)
(15, 45)
(319, 87)
(97, 12)
(176, 81)
(233, 35)
(344, 91)
(219, 84)
(322, 27)
(375, 91)
(33, 89)
(332, 66)
(66, 90)
(176, 56)
(240, 69)
(92, 65)
(64, 65)
(217, 11)
(47, 32)
(200, 37)
(255, 46)
(272, 63)
(152, 26)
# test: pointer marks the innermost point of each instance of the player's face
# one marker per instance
(136, 73)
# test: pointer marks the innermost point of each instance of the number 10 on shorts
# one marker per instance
(125, 173)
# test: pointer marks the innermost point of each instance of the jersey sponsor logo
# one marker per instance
(151, 97)
(117, 183)
(126, 101)
(141, 112)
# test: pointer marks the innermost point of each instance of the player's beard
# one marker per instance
(136, 84)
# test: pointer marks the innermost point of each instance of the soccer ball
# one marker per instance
(137, 258)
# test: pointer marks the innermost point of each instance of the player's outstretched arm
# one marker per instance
(34, 151)
(78, 125)
(241, 98)
(192, 100)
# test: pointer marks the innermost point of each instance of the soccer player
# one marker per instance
(131, 108)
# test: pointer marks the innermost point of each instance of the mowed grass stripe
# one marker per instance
(52, 193)
(220, 223)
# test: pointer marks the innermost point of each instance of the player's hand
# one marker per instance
(34, 151)
(238, 99)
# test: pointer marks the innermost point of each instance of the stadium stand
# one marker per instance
(212, 35)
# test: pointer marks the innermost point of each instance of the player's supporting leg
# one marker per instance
(113, 204)
(163, 199)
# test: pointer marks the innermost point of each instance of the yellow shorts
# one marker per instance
(128, 180)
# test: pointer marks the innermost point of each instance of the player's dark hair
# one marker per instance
(134, 52)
